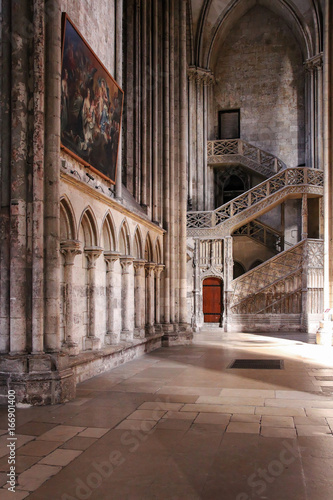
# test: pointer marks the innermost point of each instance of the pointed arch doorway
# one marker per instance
(212, 290)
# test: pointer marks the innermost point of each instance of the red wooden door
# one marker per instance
(212, 300)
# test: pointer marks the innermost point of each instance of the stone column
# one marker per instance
(166, 167)
(19, 101)
(111, 337)
(38, 181)
(92, 342)
(321, 218)
(172, 179)
(183, 159)
(196, 285)
(304, 216)
(139, 298)
(228, 277)
(119, 78)
(150, 303)
(70, 249)
(156, 179)
(52, 180)
(127, 310)
(158, 270)
(320, 114)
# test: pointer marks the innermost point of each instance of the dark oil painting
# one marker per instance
(91, 106)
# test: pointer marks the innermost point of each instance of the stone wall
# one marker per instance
(260, 71)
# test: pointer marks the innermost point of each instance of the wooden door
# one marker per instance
(212, 300)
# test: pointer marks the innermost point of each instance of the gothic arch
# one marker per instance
(239, 8)
(137, 243)
(124, 238)
(108, 234)
(158, 251)
(149, 256)
(88, 226)
(67, 220)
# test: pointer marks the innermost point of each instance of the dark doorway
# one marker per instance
(229, 124)
(212, 300)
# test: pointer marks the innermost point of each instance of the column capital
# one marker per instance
(149, 268)
(316, 61)
(201, 75)
(126, 261)
(139, 265)
(70, 249)
(92, 254)
(110, 258)
(158, 269)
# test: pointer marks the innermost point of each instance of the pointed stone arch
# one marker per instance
(124, 238)
(67, 220)
(108, 234)
(309, 44)
(88, 228)
(158, 251)
(149, 255)
(137, 243)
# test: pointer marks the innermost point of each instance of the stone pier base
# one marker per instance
(51, 378)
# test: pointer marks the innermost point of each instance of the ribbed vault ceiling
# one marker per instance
(211, 19)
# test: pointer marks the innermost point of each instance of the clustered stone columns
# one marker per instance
(304, 216)
(158, 270)
(139, 298)
(111, 336)
(70, 249)
(228, 277)
(150, 294)
(127, 300)
(199, 80)
(92, 254)
(314, 84)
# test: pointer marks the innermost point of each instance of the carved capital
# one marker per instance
(158, 269)
(315, 62)
(149, 269)
(92, 254)
(110, 258)
(139, 265)
(201, 76)
(126, 261)
(70, 249)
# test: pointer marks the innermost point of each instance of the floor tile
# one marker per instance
(312, 430)
(93, 432)
(212, 418)
(243, 427)
(61, 433)
(278, 432)
(39, 448)
(147, 415)
(32, 478)
(272, 421)
(60, 457)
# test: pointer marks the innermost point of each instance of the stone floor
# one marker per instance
(178, 423)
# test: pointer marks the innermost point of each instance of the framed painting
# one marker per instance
(91, 106)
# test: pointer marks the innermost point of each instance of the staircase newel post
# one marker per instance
(228, 277)
(275, 165)
(240, 147)
(305, 170)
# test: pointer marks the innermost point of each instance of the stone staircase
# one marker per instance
(262, 233)
(231, 151)
(276, 293)
(288, 183)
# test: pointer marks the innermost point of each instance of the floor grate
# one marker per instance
(257, 364)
